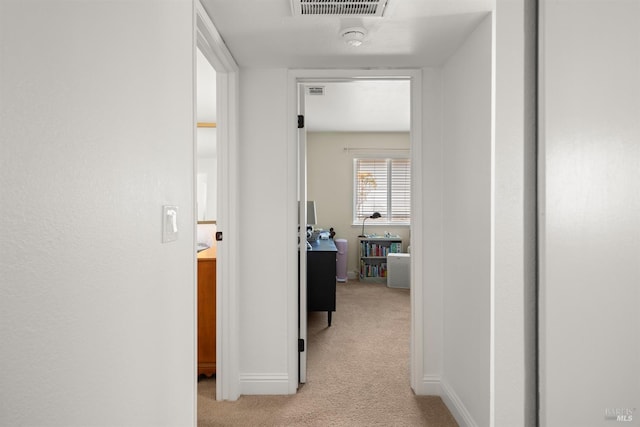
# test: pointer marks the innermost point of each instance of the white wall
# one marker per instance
(266, 208)
(467, 190)
(330, 183)
(97, 134)
(590, 235)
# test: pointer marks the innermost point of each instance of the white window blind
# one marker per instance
(382, 185)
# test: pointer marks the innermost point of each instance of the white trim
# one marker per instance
(416, 356)
(512, 355)
(212, 46)
(492, 243)
(541, 214)
(194, 284)
(292, 237)
(262, 384)
(456, 407)
(429, 253)
(431, 386)
(194, 153)
(294, 77)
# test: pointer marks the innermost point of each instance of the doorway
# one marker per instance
(206, 203)
(210, 44)
(413, 77)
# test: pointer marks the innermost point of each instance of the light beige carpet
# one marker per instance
(358, 372)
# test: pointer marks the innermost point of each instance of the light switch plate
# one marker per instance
(169, 223)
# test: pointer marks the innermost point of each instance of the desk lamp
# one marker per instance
(373, 216)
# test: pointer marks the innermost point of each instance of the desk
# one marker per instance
(321, 277)
(207, 312)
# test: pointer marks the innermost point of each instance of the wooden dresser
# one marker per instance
(207, 312)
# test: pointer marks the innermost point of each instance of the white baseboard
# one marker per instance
(456, 407)
(253, 384)
(429, 386)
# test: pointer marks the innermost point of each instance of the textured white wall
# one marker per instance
(330, 183)
(467, 169)
(96, 110)
(269, 267)
(590, 236)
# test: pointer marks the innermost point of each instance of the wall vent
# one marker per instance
(338, 7)
(315, 90)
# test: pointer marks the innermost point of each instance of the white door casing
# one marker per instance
(420, 383)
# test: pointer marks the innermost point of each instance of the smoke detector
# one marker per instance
(353, 36)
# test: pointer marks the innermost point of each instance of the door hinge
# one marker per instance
(300, 345)
(300, 122)
(219, 236)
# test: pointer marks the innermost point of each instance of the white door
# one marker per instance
(302, 239)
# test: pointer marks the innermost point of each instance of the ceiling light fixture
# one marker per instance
(353, 36)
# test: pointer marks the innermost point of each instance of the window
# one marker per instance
(382, 185)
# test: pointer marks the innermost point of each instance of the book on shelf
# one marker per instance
(373, 270)
(369, 249)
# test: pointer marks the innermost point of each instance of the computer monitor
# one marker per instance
(311, 212)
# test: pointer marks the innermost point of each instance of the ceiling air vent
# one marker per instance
(338, 7)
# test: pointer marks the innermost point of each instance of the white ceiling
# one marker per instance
(410, 34)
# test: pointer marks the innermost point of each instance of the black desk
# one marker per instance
(321, 277)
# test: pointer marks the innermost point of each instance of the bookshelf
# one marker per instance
(373, 253)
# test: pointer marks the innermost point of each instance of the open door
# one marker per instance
(227, 334)
(302, 239)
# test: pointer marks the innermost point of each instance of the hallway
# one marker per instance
(358, 372)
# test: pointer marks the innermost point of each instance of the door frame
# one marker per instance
(419, 381)
(302, 237)
(210, 43)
